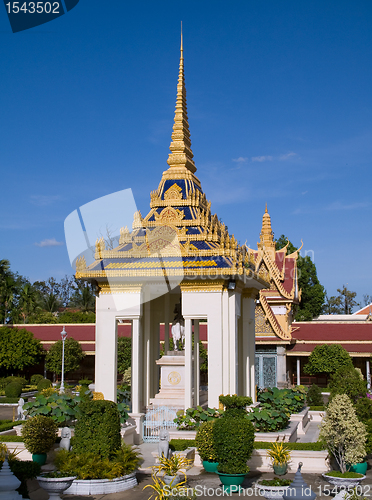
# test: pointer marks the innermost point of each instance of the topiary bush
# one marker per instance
(343, 434)
(233, 436)
(314, 396)
(13, 390)
(35, 379)
(39, 434)
(204, 442)
(19, 380)
(363, 409)
(97, 429)
(348, 381)
(44, 383)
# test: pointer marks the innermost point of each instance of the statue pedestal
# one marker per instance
(172, 376)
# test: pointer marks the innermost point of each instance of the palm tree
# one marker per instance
(28, 301)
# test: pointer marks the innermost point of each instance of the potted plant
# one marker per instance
(345, 438)
(273, 488)
(280, 457)
(171, 468)
(204, 444)
(233, 437)
(55, 483)
(39, 435)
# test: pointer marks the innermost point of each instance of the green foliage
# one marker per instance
(267, 418)
(292, 400)
(204, 442)
(343, 434)
(35, 379)
(171, 466)
(7, 425)
(89, 465)
(68, 317)
(348, 381)
(6, 438)
(337, 473)
(233, 436)
(181, 444)
(368, 424)
(124, 353)
(18, 348)
(61, 408)
(20, 380)
(363, 409)
(73, 356)
(327, 359)
(275, 482)
(317, 408)
(13, 390)
(314, 396)
(313, 293)
(279, 453)
(343, 303)
(318, 446)
(97, 430)
(193, 417)
(39, 434)
(4, 400)
(127, 377)
(43, 383)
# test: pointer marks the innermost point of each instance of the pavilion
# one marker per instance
(179, 254)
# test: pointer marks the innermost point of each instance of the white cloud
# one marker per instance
(43, 200)
(49, 243)
(287, 156)
(262, 158)
(241, 159)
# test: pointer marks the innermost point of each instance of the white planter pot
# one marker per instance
(102, 486)
(271, 491)
(344, 482)
(55, 486)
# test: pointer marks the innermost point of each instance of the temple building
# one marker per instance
(274, 307)
(179, 257)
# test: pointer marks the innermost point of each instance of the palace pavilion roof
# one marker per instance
(179, 236)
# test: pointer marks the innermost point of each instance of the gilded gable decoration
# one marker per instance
(170, 215)
(174, 193)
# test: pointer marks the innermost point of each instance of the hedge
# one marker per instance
(263, 445)
(181, 444)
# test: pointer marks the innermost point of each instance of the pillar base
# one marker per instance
(137, 420)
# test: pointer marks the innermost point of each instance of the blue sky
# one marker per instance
(280, 111)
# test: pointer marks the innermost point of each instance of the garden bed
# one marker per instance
(303, 419)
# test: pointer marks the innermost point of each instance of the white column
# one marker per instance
(166, 322)
(146, 353)
(137, 382)
(298, 371)
(106, 348)
(188, 363)
(248, 342)
(368, 374)
(225, 343)
(196, 363)
(234, 313)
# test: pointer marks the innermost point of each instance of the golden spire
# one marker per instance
(181, 154)
(266, 235)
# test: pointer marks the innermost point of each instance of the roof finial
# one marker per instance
(266, 235)
(266, 208)
(181, 154)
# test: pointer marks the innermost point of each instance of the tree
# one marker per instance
(343, 303)
(312, 292)
(28, 302)
(18, 348)
(367, 299)
(124, 353)
(327, 359)
(73, 356)
(347, 380)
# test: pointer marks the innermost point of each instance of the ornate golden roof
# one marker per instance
(179, 232)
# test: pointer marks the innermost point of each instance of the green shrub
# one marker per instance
(267, 418)
(6, 426)
(293, 400)
(318, 446)
(97, 430)
(89, 465)
(44, 383)
(35, 379)
(314, 396)
(363, 409)
(181, 444)
(233, 436)
(368, 424)
(20, 380)
(13, 390)
(317, 408)
(204, 442)
(39, 434)
(6, 438)
(62, 408)
(347, 381)
(343, 434)
(4, 400)
(194, 417)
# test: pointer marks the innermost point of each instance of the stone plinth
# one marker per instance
(172, 376)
